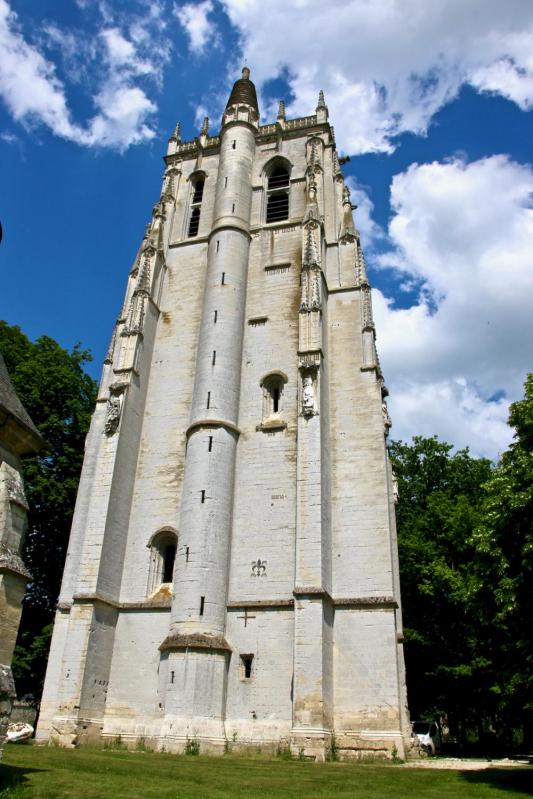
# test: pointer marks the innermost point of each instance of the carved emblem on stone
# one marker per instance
(112, 419)
(259, 568)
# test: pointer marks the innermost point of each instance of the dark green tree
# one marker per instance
(505, 537)
(59, 396)
(443, 592)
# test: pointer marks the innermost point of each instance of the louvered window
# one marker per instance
(196, 204)
(278, 196)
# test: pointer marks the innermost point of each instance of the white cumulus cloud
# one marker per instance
(113, 66)
(29, 85)
(388, 65)
(194, 17)
(463, 232)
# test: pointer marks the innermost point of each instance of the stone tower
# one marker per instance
(18, 438)
(232, 572)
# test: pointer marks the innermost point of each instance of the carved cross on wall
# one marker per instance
(246, 617)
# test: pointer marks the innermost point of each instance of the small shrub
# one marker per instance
(192, 746)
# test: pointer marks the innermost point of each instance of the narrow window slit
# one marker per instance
(210, 445)
(213, 360)
(208, 399)
(246, 663)
(202, 604)
(215, 316)
(234, 145)
(171, 676)
(218, 246)
(223, 278)
(186, 554)
(202, 497)
(225, 183)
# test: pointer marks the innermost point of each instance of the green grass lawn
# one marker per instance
(29, 772)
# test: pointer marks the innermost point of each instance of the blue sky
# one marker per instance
(432, 101)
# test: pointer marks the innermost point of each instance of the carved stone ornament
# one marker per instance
(387, 424)
(259, 568)
(308, 395)
(113, 411)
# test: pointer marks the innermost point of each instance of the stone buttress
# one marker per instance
(232, 575)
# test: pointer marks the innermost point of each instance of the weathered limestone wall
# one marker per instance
(290, 559)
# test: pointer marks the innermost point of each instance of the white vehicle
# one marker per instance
(428, 735)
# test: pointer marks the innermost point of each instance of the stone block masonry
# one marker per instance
(232, 572)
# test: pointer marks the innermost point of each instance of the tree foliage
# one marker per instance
(465, 532)
(59, 396)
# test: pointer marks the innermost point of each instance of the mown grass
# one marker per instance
(28, 772)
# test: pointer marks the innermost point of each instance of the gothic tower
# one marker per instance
(232, 571)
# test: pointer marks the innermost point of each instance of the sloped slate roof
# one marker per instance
(11, 405)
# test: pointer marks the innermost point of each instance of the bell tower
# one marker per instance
(232, 573)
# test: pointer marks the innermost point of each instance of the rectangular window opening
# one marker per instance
(246, 664)
(194, 222)
(172, 676)
(215, 316)
(202, 496)
(223, 278)
(233, 208)
(218, 246)
(213, 360)
(208, 399)
(210, 445)
(202, 605)
(234, 145)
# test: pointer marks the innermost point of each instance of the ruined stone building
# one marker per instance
(232, 573)
(18, 437)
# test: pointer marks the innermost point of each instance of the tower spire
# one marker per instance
(243, 92)
(321, 109)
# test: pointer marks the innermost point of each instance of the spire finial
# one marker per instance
(245, 73)
(281, 110)
(321, 101)
(205, 127)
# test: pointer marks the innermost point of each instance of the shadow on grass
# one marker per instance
(13, 779)
(506, 779)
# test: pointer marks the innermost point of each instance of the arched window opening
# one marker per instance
(273, 386)
(277, 195)
(163, 547)
(196, 205)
